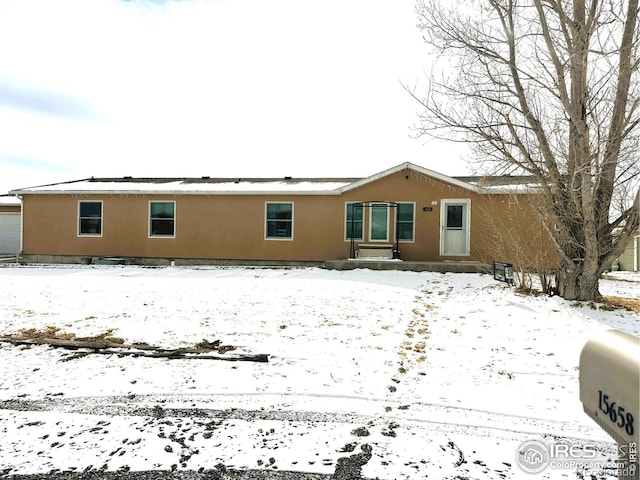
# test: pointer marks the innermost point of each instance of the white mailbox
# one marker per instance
(610, 384)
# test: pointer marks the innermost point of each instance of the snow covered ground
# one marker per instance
(405, 374)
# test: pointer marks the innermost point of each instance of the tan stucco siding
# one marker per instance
(408, 186)
(509, 229)
(233, 226)
(229, 227)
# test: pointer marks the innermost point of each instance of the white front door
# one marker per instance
(454, 227)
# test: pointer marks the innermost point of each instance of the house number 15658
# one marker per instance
(615, 412)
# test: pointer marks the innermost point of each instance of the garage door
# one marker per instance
(9, 233)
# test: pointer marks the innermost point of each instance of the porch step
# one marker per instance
(377, 264)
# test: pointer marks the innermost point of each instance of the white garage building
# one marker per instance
(10, 225)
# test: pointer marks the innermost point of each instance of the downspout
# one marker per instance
(352, 248)
(21, 224)
(396, 253)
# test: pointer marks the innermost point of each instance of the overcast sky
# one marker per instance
(226, 88)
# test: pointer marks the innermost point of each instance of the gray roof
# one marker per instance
(254, 186)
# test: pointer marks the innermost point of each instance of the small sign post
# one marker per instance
(503, 272)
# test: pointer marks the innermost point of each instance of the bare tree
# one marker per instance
(548, 88)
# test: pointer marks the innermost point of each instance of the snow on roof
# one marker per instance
(500, 184)
(514, 188)
(504, 183)
(257, 186)
(8, 200)
(203, 185)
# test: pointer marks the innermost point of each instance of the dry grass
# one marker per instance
(55, 336)
(631, 304)
(609, 303)
(55, 333)
(529, 291)
(216, 345)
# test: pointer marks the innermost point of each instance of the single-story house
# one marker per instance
(406, 212)
(10, 225)
(630, 258)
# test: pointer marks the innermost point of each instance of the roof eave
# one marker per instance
(509, 191)
(417, 168)
(175, 192)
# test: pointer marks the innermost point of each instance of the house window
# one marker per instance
(379, 225)
(354, 224)
(162, 219)
(90, 218)
(454, 217)
(279, 221)
(406, 219)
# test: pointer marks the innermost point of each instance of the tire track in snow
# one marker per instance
(155, 406)
(180, 475)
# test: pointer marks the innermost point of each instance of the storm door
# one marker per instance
(454, 227)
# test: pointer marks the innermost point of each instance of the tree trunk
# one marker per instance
(574, 282)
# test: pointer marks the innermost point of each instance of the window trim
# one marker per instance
(346, 226)
(266, 220)
(396, 222)
(79, 218)
(150, 235)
